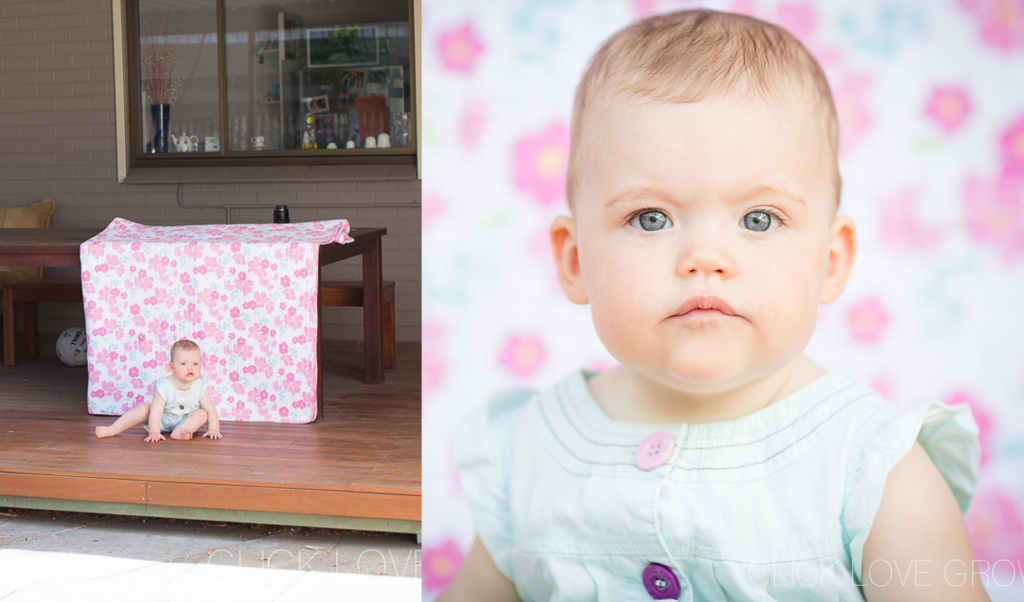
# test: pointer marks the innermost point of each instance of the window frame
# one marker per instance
(128, 99)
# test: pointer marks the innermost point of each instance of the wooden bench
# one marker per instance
(344, 293)
(30, 293)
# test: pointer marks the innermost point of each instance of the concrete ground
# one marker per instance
(71, 556)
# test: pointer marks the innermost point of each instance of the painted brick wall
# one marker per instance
(57, 140)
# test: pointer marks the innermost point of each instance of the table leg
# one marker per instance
(31, 329)
(373, 309)
(9, 325)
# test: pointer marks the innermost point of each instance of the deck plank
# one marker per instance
(362, 460)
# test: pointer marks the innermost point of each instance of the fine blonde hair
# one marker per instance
(693, 55)
(183, 345)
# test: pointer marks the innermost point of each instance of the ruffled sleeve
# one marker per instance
(949, 435)
(483, 452)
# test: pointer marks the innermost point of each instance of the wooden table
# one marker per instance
(59, 247)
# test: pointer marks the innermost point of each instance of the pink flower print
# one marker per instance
(235, 312)
(1002, 21)
(1011, 147)
(460, 49)
(540, 162)
(883, 385)
(236, 247)
(136, 246)
(522, 355)
(995, 213)
(286, 281)
(981, 417)
(798, 19)
(283, 348)
(185, 278)
(133, 372)
(109, 388)
(434, 365)
(852, 108)
(900, 228)
(440, 563)
(291, 385)
(867, 320)
(243, 284)
(948, 107)
(642, 9)
(996, 528)
(472, 125)
(434, 207)
(283, 411)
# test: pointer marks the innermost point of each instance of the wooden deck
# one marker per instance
(359, 468)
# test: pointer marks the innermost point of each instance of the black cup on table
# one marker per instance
(281, 214)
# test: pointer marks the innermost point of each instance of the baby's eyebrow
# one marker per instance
(765, 189)
(635, 193)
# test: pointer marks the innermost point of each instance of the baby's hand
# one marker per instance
(213, 434)
(154, 437)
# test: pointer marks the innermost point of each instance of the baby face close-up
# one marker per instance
(187, 365)
(703, 232)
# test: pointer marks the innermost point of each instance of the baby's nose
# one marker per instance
(706, 256)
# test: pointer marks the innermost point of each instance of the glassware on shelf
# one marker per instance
(400, 130)
(309, 134)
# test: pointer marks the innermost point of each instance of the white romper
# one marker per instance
(178, 404)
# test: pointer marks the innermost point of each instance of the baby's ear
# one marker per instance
(567, 261)
(841, 254)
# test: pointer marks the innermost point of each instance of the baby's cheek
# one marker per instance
(619, 324)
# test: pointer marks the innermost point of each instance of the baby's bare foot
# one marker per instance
(104, 431)
(182, 436)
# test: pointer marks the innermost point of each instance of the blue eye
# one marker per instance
(651, 221)
(757, 221)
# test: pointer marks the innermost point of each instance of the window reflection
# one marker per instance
(179, 78)
(318, 75)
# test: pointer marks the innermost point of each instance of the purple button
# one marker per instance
(654, 450)
(181, 407)
(660, 582)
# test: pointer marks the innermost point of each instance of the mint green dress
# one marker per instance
(178, 404)
(776, 505)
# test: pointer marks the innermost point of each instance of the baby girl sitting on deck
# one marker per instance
(181, 403)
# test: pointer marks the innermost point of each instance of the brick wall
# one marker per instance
(57, 140)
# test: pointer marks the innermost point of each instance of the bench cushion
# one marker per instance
(33, 216)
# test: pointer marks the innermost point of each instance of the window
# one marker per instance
(255, 82)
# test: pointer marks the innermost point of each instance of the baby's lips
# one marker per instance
(705, 302)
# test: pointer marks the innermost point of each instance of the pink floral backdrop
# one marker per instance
(931, 103)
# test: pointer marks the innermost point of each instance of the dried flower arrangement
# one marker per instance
(159, 58)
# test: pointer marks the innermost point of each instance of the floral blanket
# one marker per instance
(245, 293)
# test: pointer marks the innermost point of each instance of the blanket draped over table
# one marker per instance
(245, 293)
